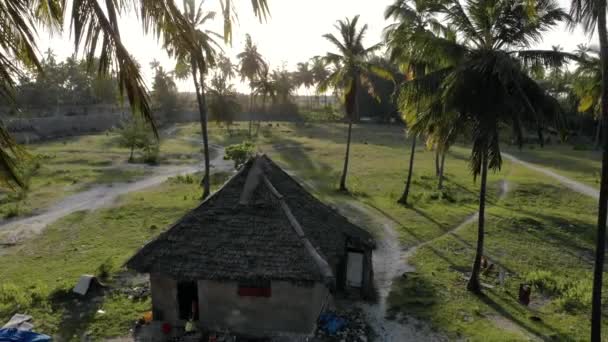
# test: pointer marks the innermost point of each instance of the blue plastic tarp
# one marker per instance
(15, 335)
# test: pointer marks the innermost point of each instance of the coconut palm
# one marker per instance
(195, 51)
(304, 76)
(587, 86)
(320, 73)
(407, 47)
(488, 86)
(284, 84)
(351, 73)
(94, 26)
(225, 67)
(592, 14)
(264, 86)
(223, 102)
(251, 64)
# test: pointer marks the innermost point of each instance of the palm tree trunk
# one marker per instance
(600, 249)
(406, 191)
(131, 156)
(350, 128)
(474, 285)
(441, 167)
(346, 157)
(202, 109)
(250, 109)
(437, 162)
(598, 130)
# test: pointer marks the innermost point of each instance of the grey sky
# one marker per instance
(292, 34)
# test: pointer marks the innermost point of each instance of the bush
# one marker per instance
(546, 282)
(12, 299)
(576, 296)
(151, 154)
(571, 295)
(239, 153)
(104, 271)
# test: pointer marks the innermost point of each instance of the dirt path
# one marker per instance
(567, 182)
(99, 196)
(389, 263)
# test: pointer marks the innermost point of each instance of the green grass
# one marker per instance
(581, 165)
(75, 164)
(538, 227)
(49, 265)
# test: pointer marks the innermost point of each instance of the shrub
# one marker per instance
(546, 282)
(13, 211)
(576, 296)
(104, 271)
(239, 153)
(571, 295)
(13, 298)
(151, 154)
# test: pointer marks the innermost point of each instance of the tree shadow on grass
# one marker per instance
(528, 326)
(78, 311)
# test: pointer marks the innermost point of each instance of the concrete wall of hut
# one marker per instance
(290, 308)
(164, 298)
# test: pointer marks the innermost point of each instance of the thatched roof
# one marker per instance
(260, 225)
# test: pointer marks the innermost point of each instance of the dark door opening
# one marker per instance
(187, 298)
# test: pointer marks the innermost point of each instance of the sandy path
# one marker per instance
(99, 196)
(389, 263)
(567, 182)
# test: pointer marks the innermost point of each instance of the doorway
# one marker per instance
(187, 298)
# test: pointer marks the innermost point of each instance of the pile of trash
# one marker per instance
(136, 292)
(347, 325)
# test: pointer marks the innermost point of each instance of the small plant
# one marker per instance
(239, 153)
(576, 296)
(151, 154)
(546, 282)
(104, 270)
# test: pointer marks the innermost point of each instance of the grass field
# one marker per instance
(581, 165)
(540, 232)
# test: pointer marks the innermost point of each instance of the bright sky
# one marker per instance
(292, 34)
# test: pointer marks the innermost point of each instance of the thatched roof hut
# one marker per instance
(260, 227)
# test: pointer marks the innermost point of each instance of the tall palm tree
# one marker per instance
(226, 68)
(488, 86)
(284, 84)
(352, 67)
(587, 86)
(592, 14)
(406, 42)
(320, 73)
(304, 76)
(264, 86)
(94, 26)
(251, 64)
(195, 51)
(223, 102)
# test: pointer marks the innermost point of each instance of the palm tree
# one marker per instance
(223, 102)
(587, 86)
(488, 86)
(304, 76)
(284, 84)
(414, 22)
(264, 86)
(94, 26)
(350, 73)
(592, 14)
(195, 52)
(320, 73)
(251, 64)
(226, 68)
